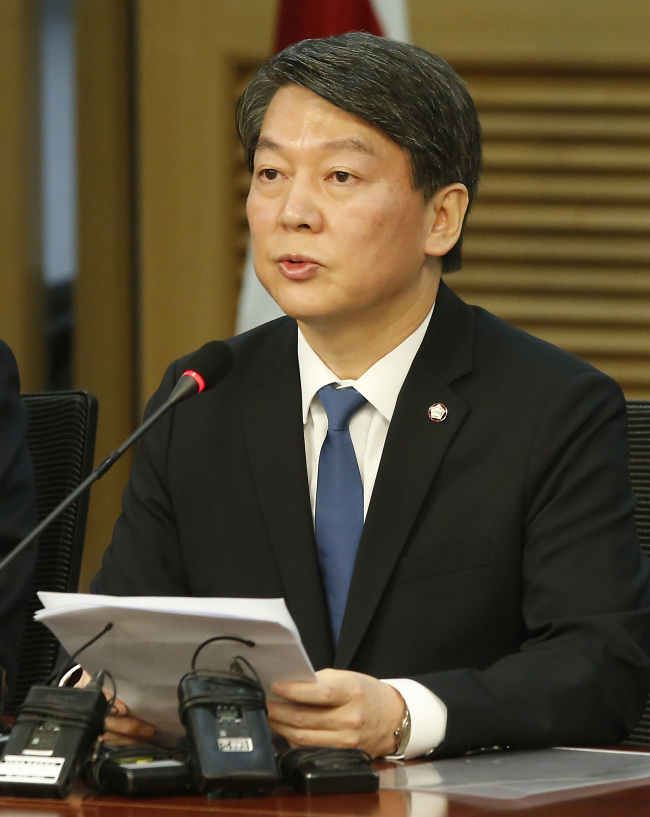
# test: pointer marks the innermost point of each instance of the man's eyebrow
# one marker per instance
(342, 143)
(347, 143)
(265, 142)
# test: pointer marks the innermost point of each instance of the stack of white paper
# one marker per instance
(150, 646)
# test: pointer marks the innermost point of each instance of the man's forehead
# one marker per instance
(333, 129)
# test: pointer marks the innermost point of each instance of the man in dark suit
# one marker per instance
(17, 513)
(498, 595)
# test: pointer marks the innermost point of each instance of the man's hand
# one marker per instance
(122, 728)
(343, 709)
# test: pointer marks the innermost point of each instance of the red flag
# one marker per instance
(299, 19)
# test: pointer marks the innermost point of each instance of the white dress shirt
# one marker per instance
(380, 385)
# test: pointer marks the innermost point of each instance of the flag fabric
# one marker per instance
(298, 20)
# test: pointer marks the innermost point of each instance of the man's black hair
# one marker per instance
(413, 96)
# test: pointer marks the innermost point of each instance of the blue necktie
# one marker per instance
(339, 500)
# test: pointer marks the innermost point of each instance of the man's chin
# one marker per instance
(306, 305)
(302, 312)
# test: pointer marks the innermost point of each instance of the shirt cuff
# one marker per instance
(70, 678)
(428, 716)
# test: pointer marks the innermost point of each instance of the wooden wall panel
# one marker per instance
(565, 35)
(21, 290)
(105, 352)
(189, 272)
(559, 240)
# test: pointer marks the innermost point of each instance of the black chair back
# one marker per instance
(638, 433)
(61, 439)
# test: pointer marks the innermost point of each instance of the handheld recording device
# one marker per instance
(224, 714)
(141, 770)
(319, 770)
(51, 739)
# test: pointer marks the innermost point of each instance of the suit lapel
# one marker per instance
(415, 447)
(275, 443)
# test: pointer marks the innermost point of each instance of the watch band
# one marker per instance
(402, 735)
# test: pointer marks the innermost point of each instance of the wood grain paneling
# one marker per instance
(189, 273)
(559, 240)
(21, 289)
(105, 354)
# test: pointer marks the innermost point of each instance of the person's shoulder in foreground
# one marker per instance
(17, 512)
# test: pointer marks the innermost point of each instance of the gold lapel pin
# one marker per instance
(438, 412)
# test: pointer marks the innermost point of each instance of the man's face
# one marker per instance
(338, 232)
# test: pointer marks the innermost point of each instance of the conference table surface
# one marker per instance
(625, 801)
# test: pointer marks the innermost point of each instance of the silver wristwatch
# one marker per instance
(402, 736)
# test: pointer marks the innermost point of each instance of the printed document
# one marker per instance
(153, 639)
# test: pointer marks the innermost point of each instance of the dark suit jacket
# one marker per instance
(498, 563)
(17, 512)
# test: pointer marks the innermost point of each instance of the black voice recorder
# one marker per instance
(224, 714)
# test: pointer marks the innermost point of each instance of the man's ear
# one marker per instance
(447, 209)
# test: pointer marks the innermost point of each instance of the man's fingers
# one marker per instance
(128, 725)
(306, 737)
(333, 688)
(125, 728)
(297, 716)
(117, 739)
(307, 693)
(342, 708)
(118, 708)
(314, 726)
(313, 718)
(122, 729)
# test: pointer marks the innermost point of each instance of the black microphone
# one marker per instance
(205, 368)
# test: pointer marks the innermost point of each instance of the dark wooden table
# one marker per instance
(627, 801)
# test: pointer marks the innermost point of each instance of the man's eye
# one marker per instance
(341, 176)
(270, 174)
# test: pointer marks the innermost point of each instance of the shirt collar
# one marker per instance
(380, 385)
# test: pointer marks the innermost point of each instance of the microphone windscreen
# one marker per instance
(212, 361)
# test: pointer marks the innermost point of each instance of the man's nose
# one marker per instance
(301, 207)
